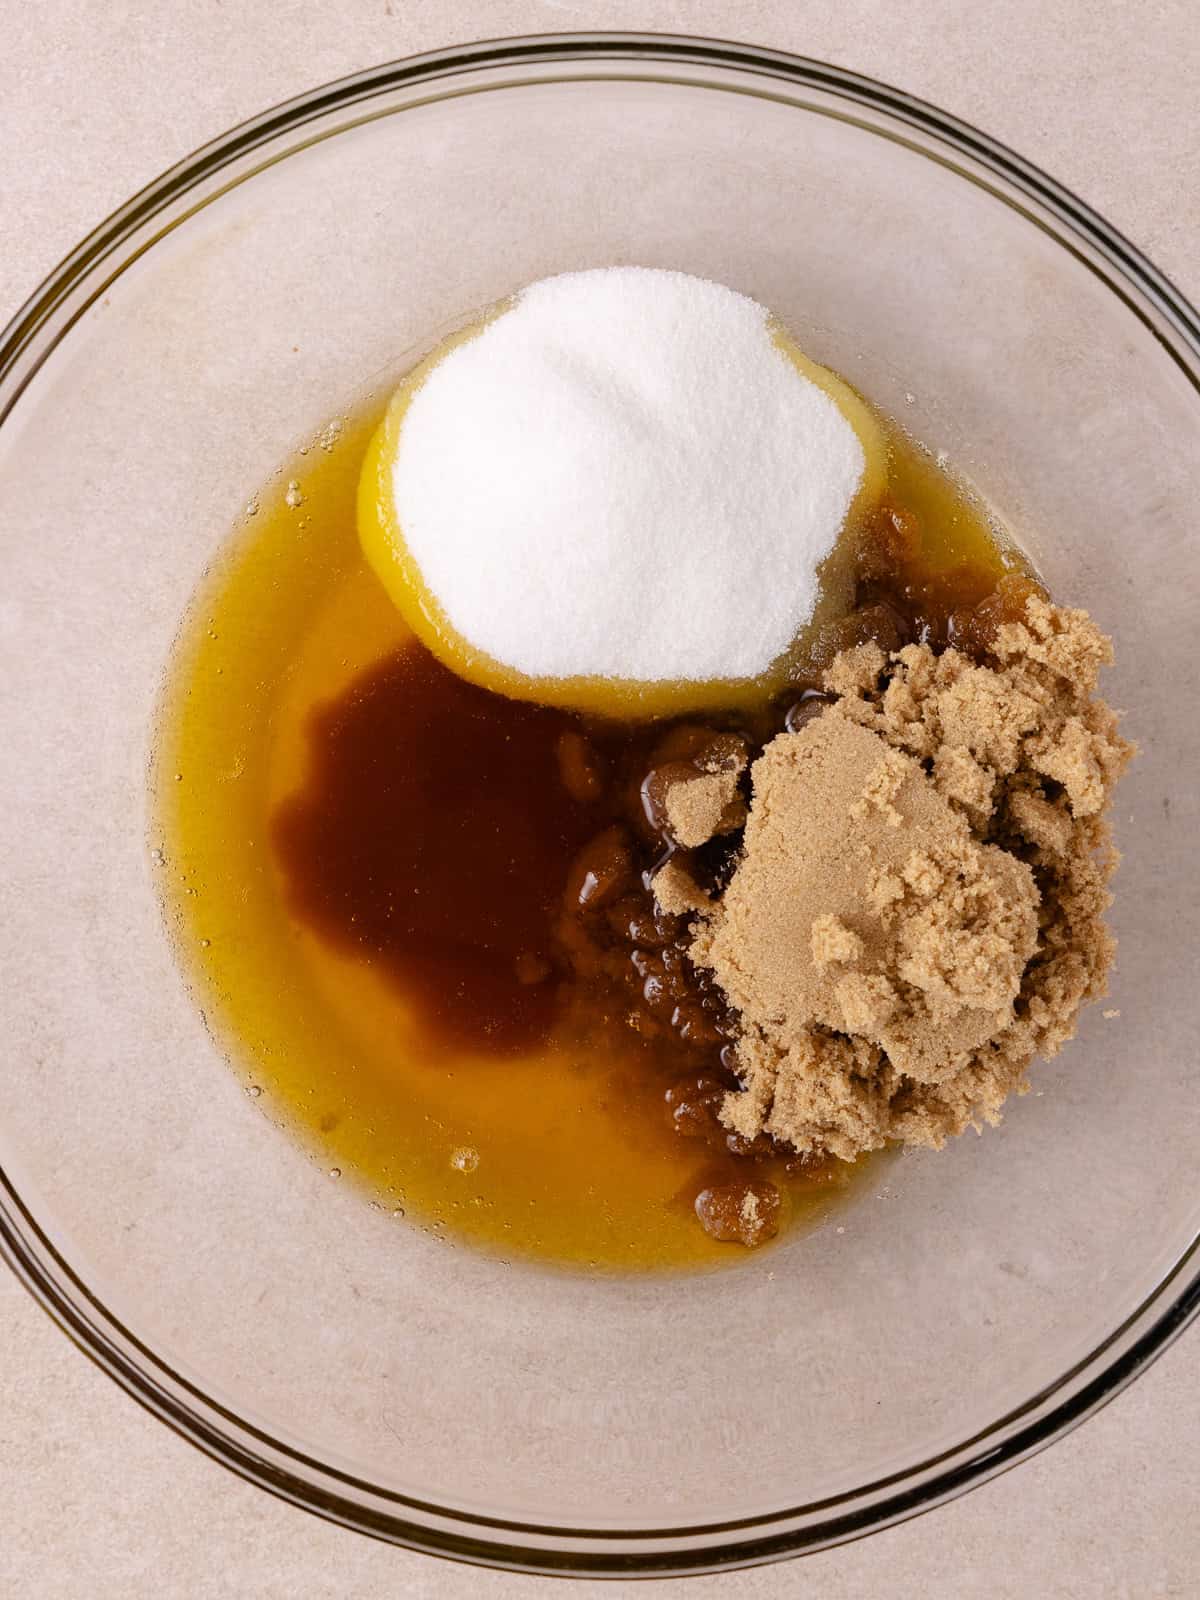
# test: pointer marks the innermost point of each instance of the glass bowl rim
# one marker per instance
(68, 291)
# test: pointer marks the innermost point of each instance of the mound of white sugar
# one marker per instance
(623, 476)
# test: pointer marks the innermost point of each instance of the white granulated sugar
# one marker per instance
(623, 476)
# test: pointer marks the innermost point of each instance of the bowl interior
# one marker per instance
(953, 1291)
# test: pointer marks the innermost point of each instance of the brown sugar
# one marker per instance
(864, 905)
(918, 908)
(701, 798)
(703, 806)
(676, 891)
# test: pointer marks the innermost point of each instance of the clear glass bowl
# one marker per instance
(967, 1308)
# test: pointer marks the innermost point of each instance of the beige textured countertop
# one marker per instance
(96, 97)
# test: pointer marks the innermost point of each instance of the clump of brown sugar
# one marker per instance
(696, 799)
(676, 890)
(918, 908)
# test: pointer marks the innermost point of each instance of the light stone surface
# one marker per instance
(96, 98)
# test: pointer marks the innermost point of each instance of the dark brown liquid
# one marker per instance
(434, 838)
